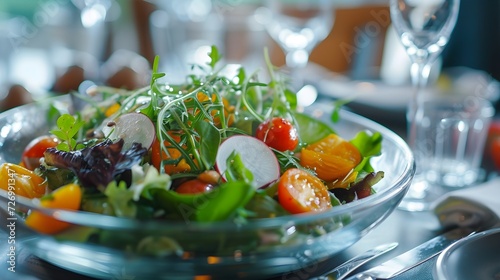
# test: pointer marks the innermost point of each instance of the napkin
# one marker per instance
(476, 206)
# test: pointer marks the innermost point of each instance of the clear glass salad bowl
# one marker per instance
(262, 248)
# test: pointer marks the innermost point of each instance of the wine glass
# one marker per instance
(298, 26)
(424, 28)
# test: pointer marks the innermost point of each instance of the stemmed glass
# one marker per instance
(298, 27)
(424, 28)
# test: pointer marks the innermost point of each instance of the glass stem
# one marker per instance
(420, 71)
(295, 61)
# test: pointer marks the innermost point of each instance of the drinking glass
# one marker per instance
(298, 26)
(184, 31)
(424, 28)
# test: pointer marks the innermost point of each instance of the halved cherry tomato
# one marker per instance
(204, 182)
(332, 158)
(35, 149)
(301, 192)
(194, 186)
(67, 197)
(278, 133)
(157, 155)
(24, 181)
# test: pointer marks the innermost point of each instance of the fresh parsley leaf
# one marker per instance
(68, 127)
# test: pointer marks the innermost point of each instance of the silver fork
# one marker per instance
(343, 270)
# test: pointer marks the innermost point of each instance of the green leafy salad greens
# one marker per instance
(190, 122)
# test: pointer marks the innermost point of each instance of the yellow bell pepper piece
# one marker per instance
(67, 197)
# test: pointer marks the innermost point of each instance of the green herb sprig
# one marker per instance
(67, 128)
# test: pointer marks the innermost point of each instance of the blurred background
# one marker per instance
(58, 46)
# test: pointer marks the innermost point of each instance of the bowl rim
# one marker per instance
(401, 184)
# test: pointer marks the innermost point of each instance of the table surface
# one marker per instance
(418, 227)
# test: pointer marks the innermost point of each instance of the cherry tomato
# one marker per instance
(301, 192)
(278, 133)
(66, 197)
(35, 149)
(194, 186)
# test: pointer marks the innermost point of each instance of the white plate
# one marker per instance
(380, 95)
(373, 93)
(475, 257)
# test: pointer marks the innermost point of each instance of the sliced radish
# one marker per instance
(256, 156)
(132, 128)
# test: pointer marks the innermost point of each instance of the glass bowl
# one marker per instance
(258, 249)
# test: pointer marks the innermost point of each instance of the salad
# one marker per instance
(215, 148)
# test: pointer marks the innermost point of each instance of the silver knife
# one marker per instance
(347, 267)
(414, 257)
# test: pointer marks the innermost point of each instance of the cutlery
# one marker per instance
(413, 257)
(341, 271)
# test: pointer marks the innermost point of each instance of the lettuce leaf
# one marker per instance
(311, 130)
(98, 165)
(369, 145)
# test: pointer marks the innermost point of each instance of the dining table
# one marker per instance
(408, 229)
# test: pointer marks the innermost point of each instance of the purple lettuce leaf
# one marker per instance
(98, 165)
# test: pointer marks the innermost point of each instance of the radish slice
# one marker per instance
(132, 128)
(256, 156)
